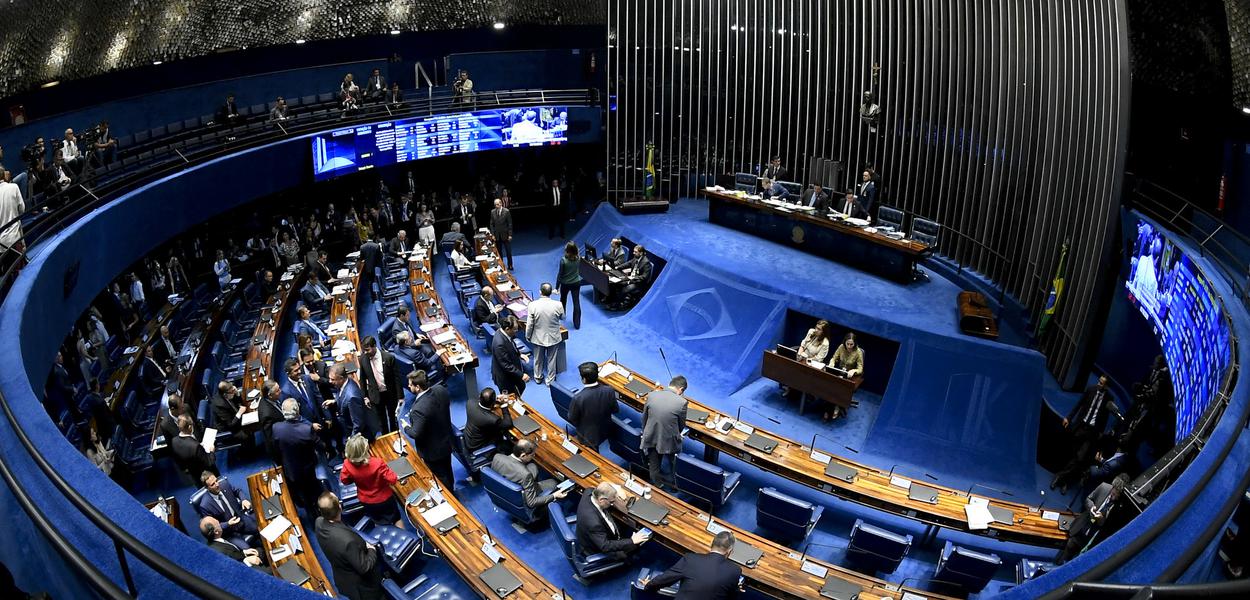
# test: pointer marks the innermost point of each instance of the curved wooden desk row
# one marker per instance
(260, 353)
(779, 572)
(115, 386)
(464, 546)
(496, 274)
(342, 328)
(259, 486)
(453, 349)
(856, 482)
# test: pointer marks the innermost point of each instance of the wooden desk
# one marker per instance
(456, 353)
(495, 273)
(778, 572)
(975, 316)
(258, 485)
(805, 378)
(870, 486)
(600, 277)
(173, 515)
(462, 546)
(115, 386)
(260, 356)
(816, 234)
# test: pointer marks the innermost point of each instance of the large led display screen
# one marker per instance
(1178, 300)
(362, 147)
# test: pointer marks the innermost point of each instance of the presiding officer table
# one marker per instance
(464, 546)
(846, 479)
(815, 234)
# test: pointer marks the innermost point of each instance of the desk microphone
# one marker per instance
(992, 489)
(809, 546)
(896, 465)
(665, 359)
(812, 446)
(738, 416)
(613, 359)
(899, 586)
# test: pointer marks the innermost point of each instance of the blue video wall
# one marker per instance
(1185, 313)
(353, 149)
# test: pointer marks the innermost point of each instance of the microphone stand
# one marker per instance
(738, 415)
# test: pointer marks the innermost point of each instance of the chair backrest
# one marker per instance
(462, 451)
(783, 512)
(872, 545)
(562, 398)
(560, 526)
(925, 231)
(889, 216)
(195, 501)
(626, 440)
(505, 494)
(704, 475)
(386, 332)
(967, 568)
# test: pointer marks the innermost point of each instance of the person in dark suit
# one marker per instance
(1098, 506)
(1085, 424)
(859, 204)
(597, 531)
(403, 322)
(507, 369)
(165, 351)
(380, 381)
(188, 454)
(484, 308)
(663, 417)
(315, 295)
(592, 407)
(483, 426)
(306, 325)
(371, 257)
(422, 356)
(228, 411)
(228, 112)
(817, 199)
(269, 413)
(168, 425)
(501, 228)
(519, 468)
(640, 270)
(774, 189)
(375, 86)
(400, 245)
(297, 441)
(152, 375)
(710, 576)
(300, 387)
(211, 529)
(774, 170)
(465, 215)
(558, 210)
(223, 502)
(321, 268)
(616, 256)
(355, 563)
(452, 236)
(268, 287)
(429, 425)
(356, 413)
(1108, 462)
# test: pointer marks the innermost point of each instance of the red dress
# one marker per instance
(373, 480)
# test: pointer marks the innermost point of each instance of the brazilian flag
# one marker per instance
(648, 182)
(1056, 291)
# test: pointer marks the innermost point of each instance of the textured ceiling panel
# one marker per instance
(1239, 49)
(45, 40)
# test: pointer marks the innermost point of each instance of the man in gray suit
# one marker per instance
(542, 329)
(501, 228)
(663, 418)
(1098, 506)
(519, 468)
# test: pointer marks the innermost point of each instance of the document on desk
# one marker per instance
(505, 286)
(444, 337)
(275, 528)
(439, 513)
(1050, 515)
(897, 481)
(432, 325)
(979, 517)
(250, 418)
(516, 307)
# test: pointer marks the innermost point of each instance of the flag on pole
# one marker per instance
(648, 185)
(1056, 291)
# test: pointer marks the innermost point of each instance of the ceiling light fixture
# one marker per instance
(499, 25)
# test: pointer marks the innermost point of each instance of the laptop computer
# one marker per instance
(840, 471)
(696, 415)
(514, 294)
(272, 507)
(500, 579)
(402, 468)
(1002, 515)
(293, 572)
(922, 493)
(639, 388)
(840, 589)
(447, 524)
(761, 443)
(745, 554)
(788, 352)
(836, 371)
(579, 465)
(525, 424)
(648, 511)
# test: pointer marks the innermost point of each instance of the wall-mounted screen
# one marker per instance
(1178, 300)
(363, 147)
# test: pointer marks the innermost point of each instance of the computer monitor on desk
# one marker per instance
(591, 253)
(787, 352)
(836, 371)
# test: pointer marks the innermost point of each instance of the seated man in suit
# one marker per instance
(228, 411)
(166, 351)
(640, 269)
(315, 295)
(321, 268)
(423, 356)
(1098, 506)
(188, 454)
(710, 576)
(485, 310)
(400, 245)
(222, 501)
(268, 287)
(451, 237)
(403, 322)
(211, 529)
(305, 325)
(519, 468)
(484, 426)
(1108, 462)
(597, 531)
(152, 375)
(817, 199)
(616, 254)
(592, 407)
(774, 189)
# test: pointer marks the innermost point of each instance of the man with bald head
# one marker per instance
(210, 528)
(501, 228)
(597, 531)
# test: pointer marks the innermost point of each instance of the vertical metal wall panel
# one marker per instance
(1003, 120)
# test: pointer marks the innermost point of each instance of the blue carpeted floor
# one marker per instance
(807, 284)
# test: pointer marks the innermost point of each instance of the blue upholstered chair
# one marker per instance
(876, 549)
(784, 515)
(348, 498)
(888, 216)
(420, 588)
(705, 481)
(925, 231)
(562, 398)
(507, 495)
(626, 441)
(472, 461)
(585, 568)
(1029, 568)
(386, 333)
(399, 546)
(965, 568)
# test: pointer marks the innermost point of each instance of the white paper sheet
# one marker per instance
(275, 528)
(439, 513)
(979, 517)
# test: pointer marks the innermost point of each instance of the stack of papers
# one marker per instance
(432, 325)
(338, 328)
(504, 287)
(355, 254)
(275, 528)
(516, 307)
(343, 274)
(288, 276)
(978, 514)
(131, 349)
(439, 513)
(461, 358)
(444, 337)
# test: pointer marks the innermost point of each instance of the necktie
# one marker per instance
(557, 196)
(1093, 408)
(225, 506)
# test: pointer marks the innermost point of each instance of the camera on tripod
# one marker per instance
(33, 153)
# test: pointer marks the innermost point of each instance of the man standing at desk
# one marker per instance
(663, 418)
(710, 576)
(774, 170)
(1085, 424)
(542, 329)
(507, 370)
(591, 409)
(355, 563)
(859, 204)
(501, 228)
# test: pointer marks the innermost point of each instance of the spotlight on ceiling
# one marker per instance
(50, 84)
(300, 41)
(394, 32)
(157, 62)
(499, 25)
(1245, 109)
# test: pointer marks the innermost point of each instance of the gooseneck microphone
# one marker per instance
(738, 415)
(665, 359)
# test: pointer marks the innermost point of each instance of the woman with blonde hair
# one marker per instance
(373, 481)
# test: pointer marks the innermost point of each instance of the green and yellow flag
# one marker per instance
(1056, 291)
(648, 184)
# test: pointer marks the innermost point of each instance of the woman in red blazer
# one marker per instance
(373, 481)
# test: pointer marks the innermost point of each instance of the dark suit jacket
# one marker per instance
(323, 272)
(821, 203)
(482, 313)
(641, 269)
(309, 401)
(370, 253)
(591, 413)
(593, 534)
(169, 427)
(395, 247)
(1078, 412)
(866, 199)
(708, 576)
(209, 507)
(162, 353)
(270, 413)
(354, 563)
(616, 256)
(429, 424)
(483, 426)
(297, 443)
(224, 413)
(152, 378)
(235, 553)
(190, 456)
(389, 374)
(353, 414)
(506, 369)
(313, 299)
(501, 224)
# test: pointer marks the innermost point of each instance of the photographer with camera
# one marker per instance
(463, 87)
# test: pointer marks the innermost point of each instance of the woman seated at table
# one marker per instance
(458, 258)
(850, 358)
(814, 348)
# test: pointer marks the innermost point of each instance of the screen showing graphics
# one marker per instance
(362, 147)
(1185, 312)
